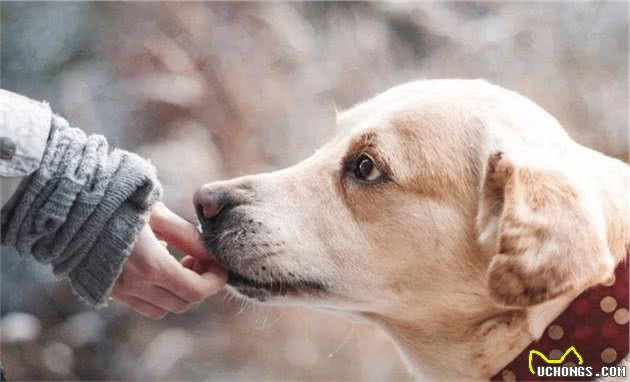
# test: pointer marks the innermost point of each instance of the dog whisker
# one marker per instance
(344, 342)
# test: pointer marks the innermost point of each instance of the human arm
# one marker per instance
(82, 207)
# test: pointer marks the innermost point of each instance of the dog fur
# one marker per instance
(483, 220)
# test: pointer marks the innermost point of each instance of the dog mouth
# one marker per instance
(262, 290)
(238, 248)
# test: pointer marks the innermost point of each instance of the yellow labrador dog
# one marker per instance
(457, 215)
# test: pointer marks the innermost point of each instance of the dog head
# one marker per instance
(433, 191)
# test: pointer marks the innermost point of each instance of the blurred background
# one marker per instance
(214, 90)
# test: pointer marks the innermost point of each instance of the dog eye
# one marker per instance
(365, 169)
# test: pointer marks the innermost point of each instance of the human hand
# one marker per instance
(153, 283)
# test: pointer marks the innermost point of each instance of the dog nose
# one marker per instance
(208, 203)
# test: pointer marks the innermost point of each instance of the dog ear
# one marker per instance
(544, 233)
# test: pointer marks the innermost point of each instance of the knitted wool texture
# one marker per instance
(81, 210)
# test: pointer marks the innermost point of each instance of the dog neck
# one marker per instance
(451, 344)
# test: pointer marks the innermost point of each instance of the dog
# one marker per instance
(455, 214)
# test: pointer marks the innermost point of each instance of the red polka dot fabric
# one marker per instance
(595, 323)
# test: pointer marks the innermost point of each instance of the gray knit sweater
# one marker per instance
(81, 209)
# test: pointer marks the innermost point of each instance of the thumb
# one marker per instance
(178, 232)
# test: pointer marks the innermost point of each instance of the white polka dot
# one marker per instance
(609, 355)
(555, 332)
(508, 376)
(555, 354)
(622, 316)
(608, 304)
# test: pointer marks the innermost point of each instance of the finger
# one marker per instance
(161, 298)
(199, 266)
(188, 262)
(191, 286)
(162, 269)
(147, 259)
(177, 232)
(143, 307)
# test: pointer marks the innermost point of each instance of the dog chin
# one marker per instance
(256, 294)
(277, 290)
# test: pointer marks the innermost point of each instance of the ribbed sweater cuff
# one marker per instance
(94, 277)
(81, 210)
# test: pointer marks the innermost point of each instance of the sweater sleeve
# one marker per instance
(81, 210)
